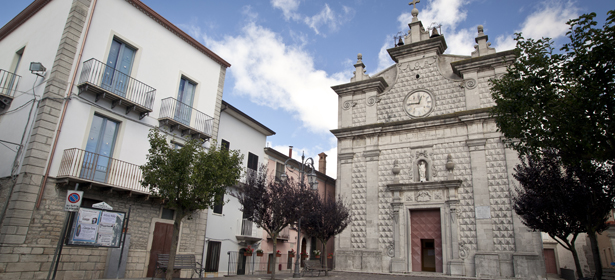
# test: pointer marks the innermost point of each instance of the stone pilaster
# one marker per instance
(372, 221)
(23, 200)
(216, 126)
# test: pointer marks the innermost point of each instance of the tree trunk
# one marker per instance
(577, 263)
(179, 215)
(325, 258)
(596, 254)
(274, 238)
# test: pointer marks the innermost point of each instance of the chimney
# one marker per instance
(322, 163)
(290, 151)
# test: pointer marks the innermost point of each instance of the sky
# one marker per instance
(286, 54)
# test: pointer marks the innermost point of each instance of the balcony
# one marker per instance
(85, 167)
(248, 231)
(182, 117)
(108, 83)
(8, 86)
(284, 234)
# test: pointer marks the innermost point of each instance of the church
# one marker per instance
(426, 173)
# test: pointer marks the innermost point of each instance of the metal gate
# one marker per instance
(239, 264)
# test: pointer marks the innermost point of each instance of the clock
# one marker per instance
(419, 103)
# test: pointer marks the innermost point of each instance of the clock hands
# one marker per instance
(419, 102)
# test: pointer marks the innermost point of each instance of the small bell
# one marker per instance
(434, 33)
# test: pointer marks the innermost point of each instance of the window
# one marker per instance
(219, 205)
(185, 96)
(119, 66)
(225, 145)
(99, 149)
(167, 214)
(213, 256)
(252, 161)
(17, 59)
(9, 83)
(279, 170)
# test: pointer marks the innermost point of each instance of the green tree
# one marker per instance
(562, 100)
(565, 102)
(188, 179)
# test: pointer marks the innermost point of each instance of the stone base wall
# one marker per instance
(32, 259)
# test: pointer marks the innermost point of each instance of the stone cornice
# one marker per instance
(437, 43)
(430, 185)
(378, 84)
(491, 60)
(453, 118)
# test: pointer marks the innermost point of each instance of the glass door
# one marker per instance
(119, 65)
(185, 96)
(99, 148)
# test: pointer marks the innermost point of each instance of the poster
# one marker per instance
(96, 227)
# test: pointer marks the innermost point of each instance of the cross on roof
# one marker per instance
(414, 2)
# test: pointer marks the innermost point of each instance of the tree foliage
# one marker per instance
(189, 178)
(273, 205)
(546, 201)
(324, 218)
(562, 100)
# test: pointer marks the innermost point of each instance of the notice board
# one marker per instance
(97, 228)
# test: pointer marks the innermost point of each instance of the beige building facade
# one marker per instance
(427, 174)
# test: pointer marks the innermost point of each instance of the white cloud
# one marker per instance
(280, 76)
(549, 20)
(326, 17)
(384, 59)
(288, 7)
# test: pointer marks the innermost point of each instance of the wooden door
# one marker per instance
(550, 265)
(161, 244)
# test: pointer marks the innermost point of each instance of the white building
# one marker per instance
(114, 69)
(227, 232)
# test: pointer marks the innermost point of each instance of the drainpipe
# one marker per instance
(70, 91)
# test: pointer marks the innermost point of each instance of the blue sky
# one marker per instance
(286, 54)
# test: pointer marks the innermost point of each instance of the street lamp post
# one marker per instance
(309, 162)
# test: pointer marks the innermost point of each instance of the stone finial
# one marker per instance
(359, 73)
(415, 11)
(482, 47)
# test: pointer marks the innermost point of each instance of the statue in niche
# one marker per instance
(422, 171)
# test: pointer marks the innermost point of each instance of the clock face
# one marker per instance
(419, 104)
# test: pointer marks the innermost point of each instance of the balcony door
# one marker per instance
(119, 65)
(185, 96)
(99, 149)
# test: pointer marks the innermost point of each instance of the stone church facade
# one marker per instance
(426, 173)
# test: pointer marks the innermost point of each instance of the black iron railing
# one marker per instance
(173, 109)
(106, 77)
(8, 83)
(83, 165)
